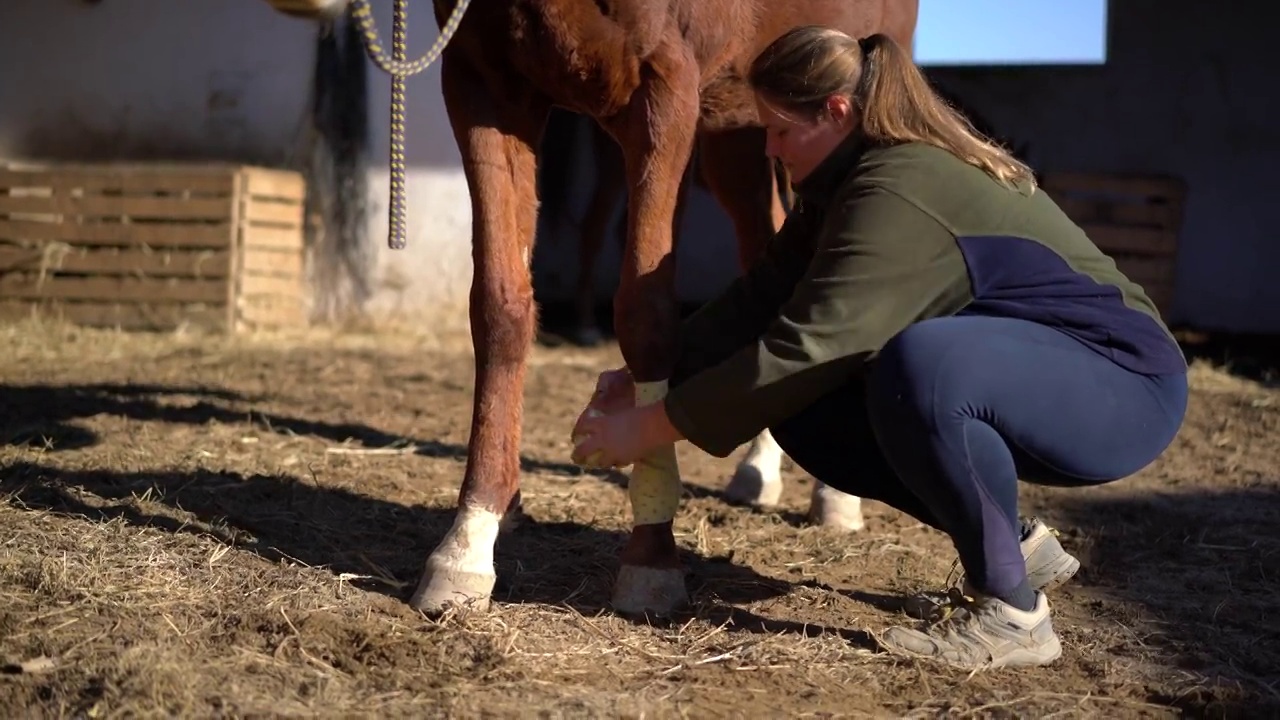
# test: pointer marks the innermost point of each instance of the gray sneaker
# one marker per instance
(982, 633)
(1049, 566)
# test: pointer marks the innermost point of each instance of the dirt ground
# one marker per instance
(212, 527)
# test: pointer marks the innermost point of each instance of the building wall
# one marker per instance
(1182, 92)
(229, 79)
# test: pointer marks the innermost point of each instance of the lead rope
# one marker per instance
(399, 69)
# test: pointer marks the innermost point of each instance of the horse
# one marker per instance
(656, 75)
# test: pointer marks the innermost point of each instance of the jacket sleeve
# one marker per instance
(743, 311)
(880, 264)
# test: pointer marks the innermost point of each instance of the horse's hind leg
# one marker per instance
(610, 188)
(497, 131)
(746, 185)
(656, 133)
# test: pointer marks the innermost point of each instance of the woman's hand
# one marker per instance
(620, 439)
(615, 392)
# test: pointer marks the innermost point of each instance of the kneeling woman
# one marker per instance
(924, 330)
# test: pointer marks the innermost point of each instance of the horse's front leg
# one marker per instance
(497, 135)
(656, 134)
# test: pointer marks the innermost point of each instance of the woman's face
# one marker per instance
(799, 143)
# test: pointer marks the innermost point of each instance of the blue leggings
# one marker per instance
(955, 410)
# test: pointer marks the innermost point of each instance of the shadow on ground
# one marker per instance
(1197, 577)
(43, 416)
(285, 518)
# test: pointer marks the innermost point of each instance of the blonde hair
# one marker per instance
(808, 64)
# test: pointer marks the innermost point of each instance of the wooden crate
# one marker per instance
(149, 246)
(1133, 218)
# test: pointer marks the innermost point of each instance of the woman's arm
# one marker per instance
(880, 264)
(743, 311)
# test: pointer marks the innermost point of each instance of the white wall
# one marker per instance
(228, 79)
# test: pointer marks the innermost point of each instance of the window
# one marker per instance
(1011, 32)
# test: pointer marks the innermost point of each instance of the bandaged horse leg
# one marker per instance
(654, 490)
(656, 131)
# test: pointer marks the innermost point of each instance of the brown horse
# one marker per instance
(656, 74)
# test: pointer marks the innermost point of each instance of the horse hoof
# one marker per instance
(754, 487)
(833, 509)
(459, 572)
(442, 588)
(648, 590)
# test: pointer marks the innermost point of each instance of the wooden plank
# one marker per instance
(129, 181)
(268, 312)
(276, 214)
(31, 286)
(266, 236)
(1118, 239)
(253, 285)
(115, 261)
(1162, 216)
(273, 183)
(188, 235)
(237, 224)
(1161, 296)
(124, 206)
(1150, 186)
(123, 316)
(265, 261)
(1147, 271)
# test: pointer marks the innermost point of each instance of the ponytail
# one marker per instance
(808, 64)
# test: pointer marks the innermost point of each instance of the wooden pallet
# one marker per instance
(148, 246)
(1135, 219)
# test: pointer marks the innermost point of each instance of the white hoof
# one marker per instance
(757, 481)
(460, 570)
(831, 508)
(645, 590)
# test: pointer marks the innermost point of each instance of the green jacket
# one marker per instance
(884, 237)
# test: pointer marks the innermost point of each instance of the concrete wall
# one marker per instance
(228, 79)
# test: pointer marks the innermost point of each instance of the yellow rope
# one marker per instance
(399, 69)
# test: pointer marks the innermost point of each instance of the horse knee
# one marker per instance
(503, 314)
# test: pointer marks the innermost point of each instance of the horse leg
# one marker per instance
(608, 189)
(746, 185)
(497, 140)
(656, 132)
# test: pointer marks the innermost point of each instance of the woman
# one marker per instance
(924, 330)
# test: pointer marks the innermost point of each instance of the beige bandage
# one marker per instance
(655, 480)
